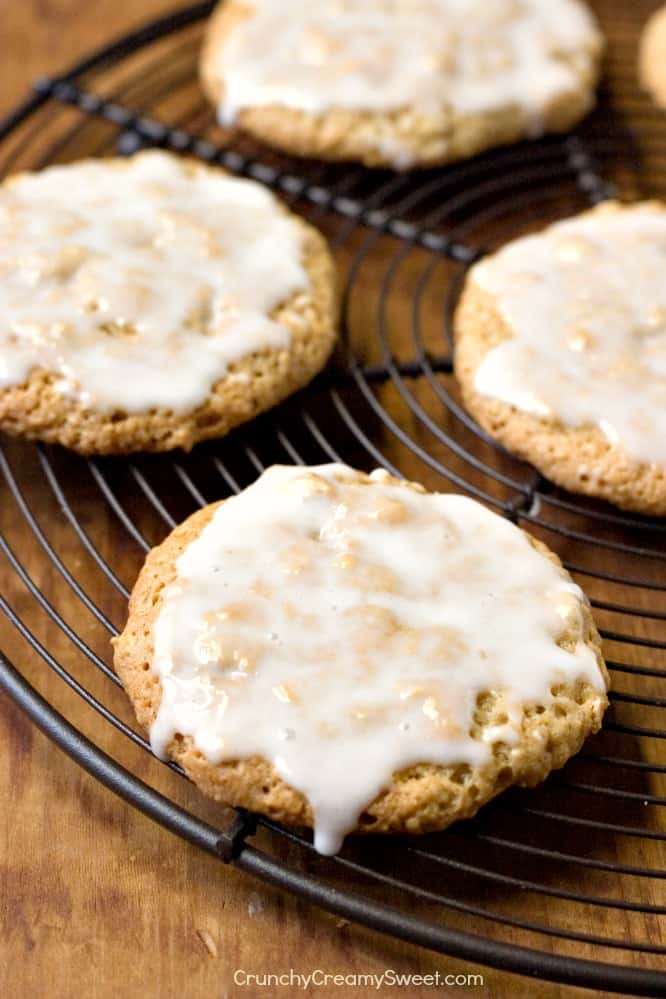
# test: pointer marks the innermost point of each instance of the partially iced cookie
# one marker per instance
(150, 303)
(401, 84)
(349, 652)
(561, 352)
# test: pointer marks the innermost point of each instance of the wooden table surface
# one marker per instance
(95, 900)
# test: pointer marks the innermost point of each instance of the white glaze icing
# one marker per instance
(139, 285)
(586, 304)
(470, 56)
(342, 630)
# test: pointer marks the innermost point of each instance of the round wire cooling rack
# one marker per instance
(563, 883)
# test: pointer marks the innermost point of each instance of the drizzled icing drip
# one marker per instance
(342, 627)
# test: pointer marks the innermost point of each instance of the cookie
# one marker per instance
(400, 85)
(348, 652)
(150, 303)
(561, 352)
(652, 57)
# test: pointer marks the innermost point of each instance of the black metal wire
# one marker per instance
(433, 221)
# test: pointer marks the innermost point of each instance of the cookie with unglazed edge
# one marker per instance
(418, 87)
(152, 302)
(325, 597)
(652, 57)
(561, 352)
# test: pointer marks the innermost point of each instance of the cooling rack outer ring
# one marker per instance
(230, 845)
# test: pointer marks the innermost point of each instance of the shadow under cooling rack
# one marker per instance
(563, 883)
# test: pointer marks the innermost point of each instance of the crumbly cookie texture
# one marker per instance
(652, 57)
(441, 82)
(123, 331)
(589, 416)
(422, 796)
